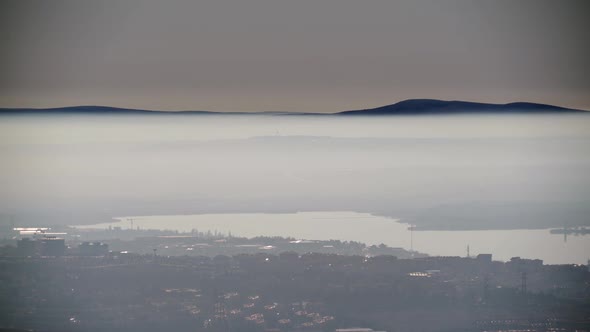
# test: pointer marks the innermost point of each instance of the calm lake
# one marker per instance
(370, 229)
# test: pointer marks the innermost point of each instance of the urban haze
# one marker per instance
(295, 166)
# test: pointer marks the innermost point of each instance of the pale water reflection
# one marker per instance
(370, 229)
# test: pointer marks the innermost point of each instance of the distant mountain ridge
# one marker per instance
(91, 109)
(406, 107)
(435, 106)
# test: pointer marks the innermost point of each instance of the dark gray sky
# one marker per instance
(320, 56)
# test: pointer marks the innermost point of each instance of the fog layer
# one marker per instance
(448, 172)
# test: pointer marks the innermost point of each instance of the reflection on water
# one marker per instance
(370, 229)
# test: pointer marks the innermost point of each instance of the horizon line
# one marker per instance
(165, 111)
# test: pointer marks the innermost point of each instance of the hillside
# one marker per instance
(434, 106)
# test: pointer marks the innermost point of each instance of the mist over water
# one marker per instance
(446, 172)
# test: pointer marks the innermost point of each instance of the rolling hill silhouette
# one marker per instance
(434, 106)
(406, 107)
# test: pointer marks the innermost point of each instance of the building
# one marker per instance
(93, 249)
(27, 247)
(45, 246)
(484, 258)
(53, 246)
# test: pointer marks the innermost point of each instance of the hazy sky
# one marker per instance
(321, 56)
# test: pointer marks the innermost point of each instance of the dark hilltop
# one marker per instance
(435, 106)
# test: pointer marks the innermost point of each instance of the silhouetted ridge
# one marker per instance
(91, 109)
(406, 107)
(434, 106)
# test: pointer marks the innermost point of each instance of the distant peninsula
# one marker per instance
(406, 107)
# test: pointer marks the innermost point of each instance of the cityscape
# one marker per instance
(203, 281)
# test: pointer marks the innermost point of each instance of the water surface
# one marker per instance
(370, 229)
